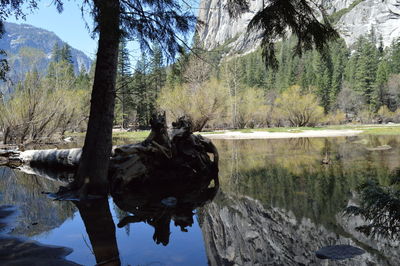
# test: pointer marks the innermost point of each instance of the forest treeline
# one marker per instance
(358, 84)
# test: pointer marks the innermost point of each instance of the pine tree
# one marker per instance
(65, 53)
(394, 57)
(157, 77)
(339, 54)
(56, 53)
(139, 89)
(324, 82)
(381, 94)
(123, 85)
(367, 63)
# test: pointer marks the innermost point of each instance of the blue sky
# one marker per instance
(69, 25)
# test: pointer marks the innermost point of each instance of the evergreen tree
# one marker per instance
(139, 87)
(83, 80)
(56, 53)
(381, 93)
(394, 57)
(324, 82)
(123, 85)
(65, 53)
(367, 63)
(339, 54)
(157, 75)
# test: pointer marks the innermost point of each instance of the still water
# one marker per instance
(278, 202)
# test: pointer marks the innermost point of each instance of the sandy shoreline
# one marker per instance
(284, 135)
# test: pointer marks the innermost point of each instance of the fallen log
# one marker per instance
(163, 156)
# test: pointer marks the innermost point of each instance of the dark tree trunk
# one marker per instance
(94, 164)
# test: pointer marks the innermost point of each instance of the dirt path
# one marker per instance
(283, 135)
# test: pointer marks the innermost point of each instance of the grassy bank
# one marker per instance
(393, 129)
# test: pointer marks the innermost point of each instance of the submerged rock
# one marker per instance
(169, 202)
(338, 252)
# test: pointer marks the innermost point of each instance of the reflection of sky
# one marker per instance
(137, 248)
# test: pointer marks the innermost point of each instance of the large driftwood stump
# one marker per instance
(162, 157)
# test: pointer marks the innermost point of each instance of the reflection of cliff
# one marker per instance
(288, 173)
(16, 251)
(241, 231)
(37, 214)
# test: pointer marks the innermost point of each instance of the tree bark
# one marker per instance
(94, 164)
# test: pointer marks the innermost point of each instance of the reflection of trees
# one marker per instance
(156, 205)
(380, 207)
(25, 192)
(301, 143)
(289, 173)
(160, 208)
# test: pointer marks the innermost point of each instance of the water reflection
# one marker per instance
(100, 228)
(284, 199)
(156, 207)
(278, 202)
(380, 206)
(37, 214)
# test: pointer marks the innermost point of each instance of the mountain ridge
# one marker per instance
(27, 46)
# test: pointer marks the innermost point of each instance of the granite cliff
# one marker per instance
(352, 19)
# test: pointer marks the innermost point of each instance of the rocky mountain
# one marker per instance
(351, 17)
(28, 46)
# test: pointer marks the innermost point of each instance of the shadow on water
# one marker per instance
(153, 205)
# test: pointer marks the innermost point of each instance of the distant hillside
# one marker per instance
(28, 46)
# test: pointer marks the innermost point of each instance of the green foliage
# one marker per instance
(394, 56)
(123, 86)
(46, 107)
(251, 108)
(299, 109)
(203, 105)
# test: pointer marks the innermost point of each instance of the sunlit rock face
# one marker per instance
(219, 27)
(383, 16)
(241, 231)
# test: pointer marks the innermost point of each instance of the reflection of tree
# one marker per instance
(101, 230)
(301, 143)
(380, 207)
(160, 208)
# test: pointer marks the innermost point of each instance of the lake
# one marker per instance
(279, 201)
